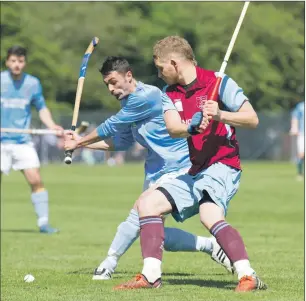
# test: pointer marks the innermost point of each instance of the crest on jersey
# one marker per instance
(178, 104)
(200, 101)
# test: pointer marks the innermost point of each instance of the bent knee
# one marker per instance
(154, 203)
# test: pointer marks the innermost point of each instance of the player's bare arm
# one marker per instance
(71, 139)
(91, 138)
(46, 118)
(244, 117)
(178, 129)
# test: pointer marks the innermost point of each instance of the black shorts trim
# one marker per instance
(169, 198)
(206, 198)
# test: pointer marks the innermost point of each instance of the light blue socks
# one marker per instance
(40, 203)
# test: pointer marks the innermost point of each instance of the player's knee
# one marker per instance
(153, 204)
(36, 184)
(144, 206)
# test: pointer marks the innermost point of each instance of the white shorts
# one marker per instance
(300, 144)
(164, 178)
(18, 157)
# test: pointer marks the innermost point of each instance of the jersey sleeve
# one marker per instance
(167, 103)
(38, 99)
(231, 95)
(136, 109)
(123, 140)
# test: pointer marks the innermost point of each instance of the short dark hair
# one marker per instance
(115, 63)
(16, 50)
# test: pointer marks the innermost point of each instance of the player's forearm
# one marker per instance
(91, 138)
(46, 118)
(102, 145)
(175, 127)
(178, 130)
(239, 119)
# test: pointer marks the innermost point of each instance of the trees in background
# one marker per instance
(267, 60)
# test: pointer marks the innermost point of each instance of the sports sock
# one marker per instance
(152, 241)
(177, 240)
(40, 203)
(127, 233)
(232, 244)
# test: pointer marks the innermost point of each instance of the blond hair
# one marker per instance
(173, 44)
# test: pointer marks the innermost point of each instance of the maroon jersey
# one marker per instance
(218, 142)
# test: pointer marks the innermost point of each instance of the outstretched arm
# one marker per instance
(72, 138)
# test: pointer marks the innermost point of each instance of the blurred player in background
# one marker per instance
(297, 129)
(20, 91)
(141, 120)
(214, 177)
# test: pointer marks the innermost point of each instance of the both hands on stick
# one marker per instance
(201, 120)
(71, 139)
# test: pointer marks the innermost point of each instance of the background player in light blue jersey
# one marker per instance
(141, 119)
(297, 129)
(20, 91)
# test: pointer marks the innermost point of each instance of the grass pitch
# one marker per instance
(88, 203)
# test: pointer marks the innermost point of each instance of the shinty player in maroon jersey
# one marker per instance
(214, 177)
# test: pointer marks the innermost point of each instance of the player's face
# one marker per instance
(16, 64)
(118, 84)
(167, 70)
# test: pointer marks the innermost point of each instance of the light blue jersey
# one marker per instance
(299, 113)
(141, 119)
(17, 97)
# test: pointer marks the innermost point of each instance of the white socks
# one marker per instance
(204, 244)
(151, 269)
(243, 268)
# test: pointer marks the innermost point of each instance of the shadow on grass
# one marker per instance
(87, 271)
(228, 285)
(122, 274)
(20, 230)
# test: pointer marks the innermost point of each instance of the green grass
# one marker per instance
(88, 203)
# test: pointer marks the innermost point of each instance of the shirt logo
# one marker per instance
(201, 101)
(178, 104)
(14, 103)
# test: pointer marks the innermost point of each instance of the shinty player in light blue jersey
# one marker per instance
(20, 91)
(141, 119)
(297, 129)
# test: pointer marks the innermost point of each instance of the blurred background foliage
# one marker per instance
(267, 60)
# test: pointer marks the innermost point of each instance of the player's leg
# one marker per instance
(220, 184)
(127, 233)
(300, 157)
(26, 160)
(176, 240)
(150, 210)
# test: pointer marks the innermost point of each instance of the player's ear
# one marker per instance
(129, 76)
(173, 63)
